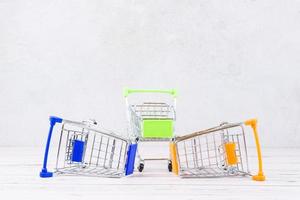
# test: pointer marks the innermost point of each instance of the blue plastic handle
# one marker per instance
(44, 172)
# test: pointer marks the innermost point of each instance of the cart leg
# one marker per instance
(44, 172)
(141, 162)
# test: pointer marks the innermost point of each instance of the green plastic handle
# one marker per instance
(128, 91)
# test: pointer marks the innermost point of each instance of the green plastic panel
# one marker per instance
(157, 128)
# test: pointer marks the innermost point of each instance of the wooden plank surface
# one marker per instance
(19, 168)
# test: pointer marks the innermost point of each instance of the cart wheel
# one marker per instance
(170, 166)
(141, 167)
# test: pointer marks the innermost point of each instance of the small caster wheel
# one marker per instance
(141, 167)
(170, 166)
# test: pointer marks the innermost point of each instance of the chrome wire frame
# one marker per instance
(202, 154)
(104, 152)
(149, 110)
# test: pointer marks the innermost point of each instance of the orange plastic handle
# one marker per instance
(173, 153)
(260, 175)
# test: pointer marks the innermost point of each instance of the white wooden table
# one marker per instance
(20, 166)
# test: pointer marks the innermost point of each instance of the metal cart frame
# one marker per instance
(216, 152)
(86, 151)
(151, 121)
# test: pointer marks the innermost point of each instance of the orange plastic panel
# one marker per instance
(230, 153)
(260, 175)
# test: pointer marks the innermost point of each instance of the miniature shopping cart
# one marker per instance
(215, 152)
(151, 121)
(83, 150)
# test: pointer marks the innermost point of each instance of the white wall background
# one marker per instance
(230, 60)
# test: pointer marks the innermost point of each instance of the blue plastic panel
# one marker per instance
(129, 167)
(77, 152)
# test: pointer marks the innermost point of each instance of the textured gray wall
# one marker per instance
(230, 60)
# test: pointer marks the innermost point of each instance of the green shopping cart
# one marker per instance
(151, 121)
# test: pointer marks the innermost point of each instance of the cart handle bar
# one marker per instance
(260, 175)
(128, 91)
